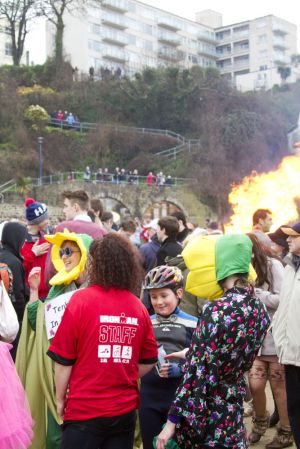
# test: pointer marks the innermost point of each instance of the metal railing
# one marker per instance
(184, 144)
(86, 126)
(103, 179)
(7, 187)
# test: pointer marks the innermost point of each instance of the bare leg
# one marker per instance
(258, 376)
(277, 381)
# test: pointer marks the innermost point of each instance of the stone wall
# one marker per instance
(136, 199)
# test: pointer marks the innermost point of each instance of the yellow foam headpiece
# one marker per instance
(200, 258)
(82, 240)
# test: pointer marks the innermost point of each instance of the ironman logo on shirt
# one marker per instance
(115, 337)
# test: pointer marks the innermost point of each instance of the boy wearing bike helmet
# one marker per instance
(173, 331)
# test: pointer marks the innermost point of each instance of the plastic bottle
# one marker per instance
(161, 356)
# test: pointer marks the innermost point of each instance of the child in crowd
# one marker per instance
(173, 331)
(35, 248)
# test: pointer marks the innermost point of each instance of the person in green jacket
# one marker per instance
(69, 255)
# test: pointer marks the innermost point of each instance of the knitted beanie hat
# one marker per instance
(35, 212)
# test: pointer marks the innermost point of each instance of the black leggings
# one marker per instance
(151, 422)
(292, 384)
(100, 433)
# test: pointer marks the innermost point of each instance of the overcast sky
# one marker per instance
(234, 10)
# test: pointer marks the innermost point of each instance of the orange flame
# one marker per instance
(276, 190)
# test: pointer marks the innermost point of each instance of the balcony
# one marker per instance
(223, 38)
(207, 36)
(242, 48)
(279, 29)
(115, 21)
(114, 54)
(120, 6)
(115, 37)
(280, 43)
(281, 60)
(205, 51)
(169, 23)
(240, 36)
(225, 65)
(223, 51)
(169, 38)
(170, 54)
(226, 68)
(240, 64)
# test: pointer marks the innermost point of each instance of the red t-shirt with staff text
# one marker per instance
(104, 334)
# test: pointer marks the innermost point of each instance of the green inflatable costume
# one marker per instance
(34, 367)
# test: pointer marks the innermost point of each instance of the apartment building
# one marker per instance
(125, 36)
(250, 52)
(5, 44)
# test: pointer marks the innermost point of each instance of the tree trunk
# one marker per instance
(59, 36)
(14, 47)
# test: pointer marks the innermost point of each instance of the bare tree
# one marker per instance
(17, 15)
(54, 11)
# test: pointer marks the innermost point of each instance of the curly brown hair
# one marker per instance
(115, 262)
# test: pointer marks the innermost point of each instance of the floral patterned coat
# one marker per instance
(209, 399)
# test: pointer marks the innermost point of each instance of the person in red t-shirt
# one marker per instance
(104, 343)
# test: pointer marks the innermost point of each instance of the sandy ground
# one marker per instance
(267, 438)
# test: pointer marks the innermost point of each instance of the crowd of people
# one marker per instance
(64, 118)
(124, 176)
(151, 332)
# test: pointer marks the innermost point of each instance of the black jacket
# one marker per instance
(169, 248)
(182, 235)
(13, 237)
(148, 252)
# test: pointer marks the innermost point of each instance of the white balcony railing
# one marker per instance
(117, 5)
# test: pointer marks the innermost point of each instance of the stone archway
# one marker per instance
(161, 208)
(113, 204)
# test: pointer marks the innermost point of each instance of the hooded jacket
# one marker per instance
(285, 326)
(13, 237)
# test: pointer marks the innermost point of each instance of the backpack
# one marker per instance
(7, 277)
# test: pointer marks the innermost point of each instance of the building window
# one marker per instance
(131, 7)
(223, 35)
(8, 49)
(94, 28)
(94, 45)
(242, 30)
(262, 39)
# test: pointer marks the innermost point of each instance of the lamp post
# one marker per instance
(40, 142)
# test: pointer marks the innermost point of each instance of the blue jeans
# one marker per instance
(100, 433)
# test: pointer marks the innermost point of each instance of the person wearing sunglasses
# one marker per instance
(69, 256)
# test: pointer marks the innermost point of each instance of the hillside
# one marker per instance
(238, 132)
